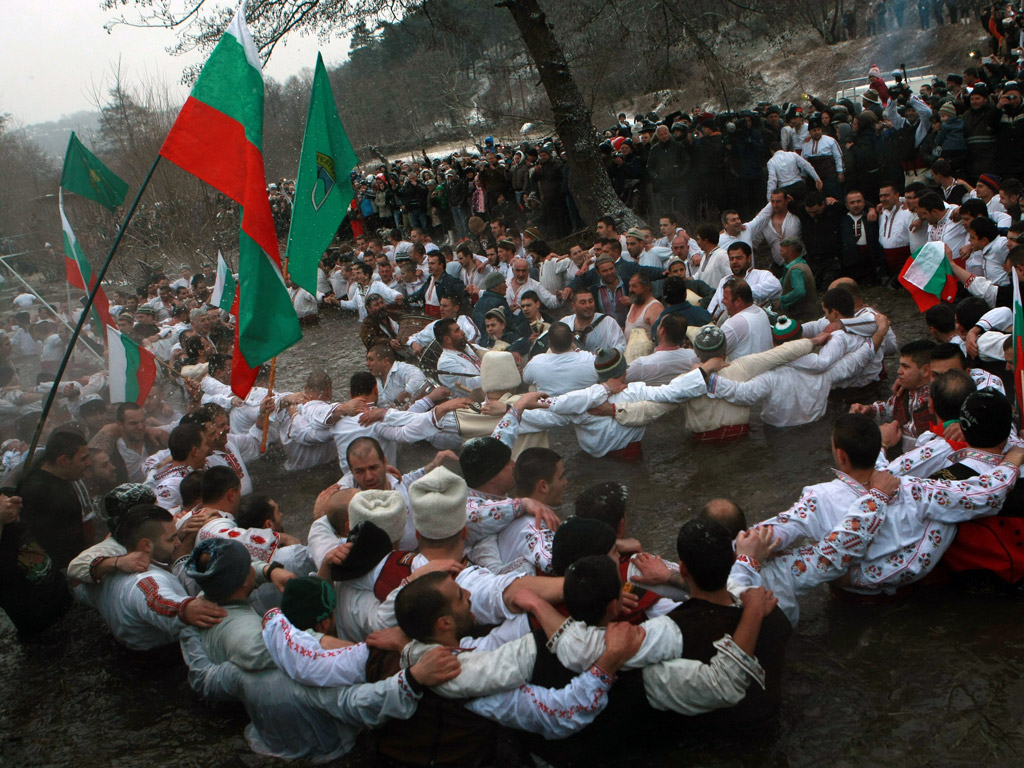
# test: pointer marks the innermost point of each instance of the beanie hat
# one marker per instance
(498, 372)
(870, 95)
(709, 342)
(508, 245)
(438, 502)
(385, 509)
(370, 545)
(579, 537)
(785, 329)
(126, 496)
(493, 280)
(874, 71)
(482, 458)
(609, 363)
(985, 418)
(219, 566)
(635, 232)
(981, 89)
(307, 600)
(948, 109)
(1011, 85)
(532, 232)
(990, 181)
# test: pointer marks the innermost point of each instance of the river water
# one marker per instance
(935, 679)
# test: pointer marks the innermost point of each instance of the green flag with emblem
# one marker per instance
(323, 191)
(85, 175)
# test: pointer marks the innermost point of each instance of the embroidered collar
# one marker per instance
(974, 453)
(856, 487)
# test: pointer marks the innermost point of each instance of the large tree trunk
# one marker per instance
(588, 180)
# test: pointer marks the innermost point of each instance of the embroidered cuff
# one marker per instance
(969, 280)
(270, 615)
(882, 496)
(552, 642)
(405, 688)
(605, 678)
(748, 663)
(181, 608)
(93, 565)
(749, 561)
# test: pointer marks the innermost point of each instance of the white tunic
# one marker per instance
(402, 377)
(141, 609)
(559, 372)
(305, 436)
(460, 370)
(894, 227)
(714, 267)
(606, 333)
(747, 332)
(661, 366)
(165, 483)
(763, 285)
(514, 293)
(426, 336)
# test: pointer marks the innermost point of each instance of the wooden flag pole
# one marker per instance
(81, 323)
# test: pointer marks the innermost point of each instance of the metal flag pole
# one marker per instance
(81, 323)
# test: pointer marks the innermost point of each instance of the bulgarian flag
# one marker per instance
(79, 272)
(131, 369)
(218, 137)
(223, 295)
(928, 276)
(1018, 344)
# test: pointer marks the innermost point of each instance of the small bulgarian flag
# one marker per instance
(1018, 344)
(224, 286)
(928, 276)
(132, 369)
(78, 270)
(218, 137)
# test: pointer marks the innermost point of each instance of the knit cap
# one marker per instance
(785, 329)
(948, 109)
(709, 342)
(493, 280)
(481, 459)
(438, 502)
(609, 364)
(219, 566)
(989, 180)
(307, 600)
(985, 418)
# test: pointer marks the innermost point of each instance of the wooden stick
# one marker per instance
(266, 416)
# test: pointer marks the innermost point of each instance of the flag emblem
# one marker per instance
(325, 173)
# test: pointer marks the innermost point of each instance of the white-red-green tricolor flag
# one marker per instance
(928, 276)
(131, 369)
(218, 137)
(223, 295)
(1018, 344)
(78, 270)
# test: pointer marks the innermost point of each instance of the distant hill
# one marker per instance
(52, 137)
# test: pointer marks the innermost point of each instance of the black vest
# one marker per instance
(702, 623)
(440, 732)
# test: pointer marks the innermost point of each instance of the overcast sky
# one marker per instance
(56, 54)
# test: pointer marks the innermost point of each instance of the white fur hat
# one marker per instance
(385, 509)
(438, 504)
(498, 372)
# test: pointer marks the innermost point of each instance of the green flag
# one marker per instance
(322, 188)
(85, 175)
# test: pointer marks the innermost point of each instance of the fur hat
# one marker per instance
(709, 342)
(219, 566)
(498, 372)
(609, 363)
(482, 458)
(385, 509)
(438, 502)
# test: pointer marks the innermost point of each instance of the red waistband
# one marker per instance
(728, 432)
(632, 452)
(431, 310)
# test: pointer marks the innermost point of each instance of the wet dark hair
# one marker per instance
(63, 442)
(420, 604)
(918, 350)
(183, 439)
(361, 383)
(858, 435)
(839, 300)
(590, 584)
(217, 481)
(705, 549)
(942, 318)
(139, 523)
(254, 511)
(605, 502)
(534, 465)
(948, 392)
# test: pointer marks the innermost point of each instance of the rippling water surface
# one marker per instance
(935, 679)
